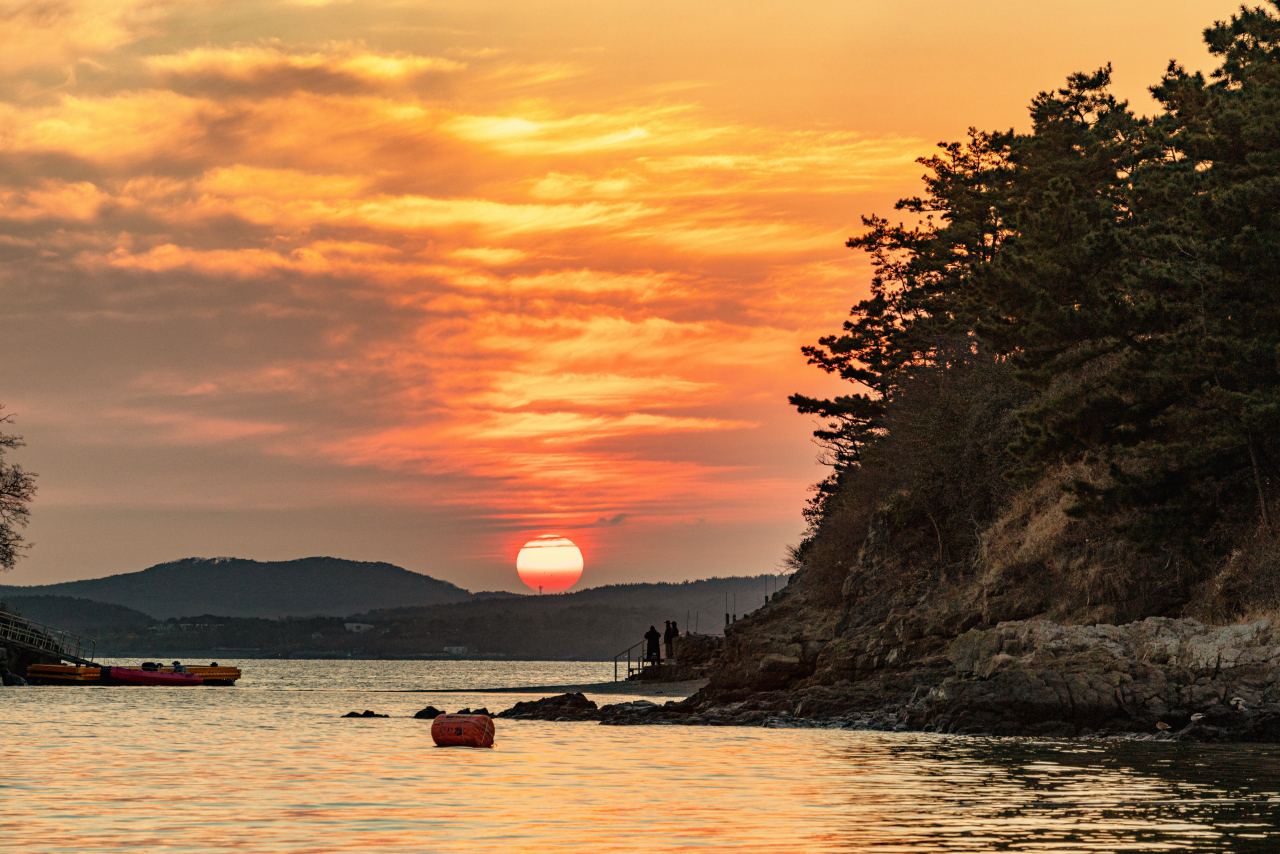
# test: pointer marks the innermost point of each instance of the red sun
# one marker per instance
(549, 564)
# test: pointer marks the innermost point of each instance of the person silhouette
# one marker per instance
(652, 637)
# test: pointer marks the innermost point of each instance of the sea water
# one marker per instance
(270, 766)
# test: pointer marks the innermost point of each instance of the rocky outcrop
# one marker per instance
(576, 707)
(562, 707)
(1158, 678)
(696, 657)
(1157, 675)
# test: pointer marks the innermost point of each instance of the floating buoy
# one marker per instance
(462, 731)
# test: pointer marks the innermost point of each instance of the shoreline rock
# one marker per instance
(1158, 679)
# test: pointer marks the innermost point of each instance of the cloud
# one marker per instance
(428, 278)
(269, 69)
(53, 200)
(489, 256)
(512, 390)
(658, 127)
(61, 34)
(177, 428)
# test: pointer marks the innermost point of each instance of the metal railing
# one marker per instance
(21, 632)
(641, 661)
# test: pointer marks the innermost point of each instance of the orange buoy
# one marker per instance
(462, 731)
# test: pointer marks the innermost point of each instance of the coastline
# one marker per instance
(1159, 679)
(683, 689)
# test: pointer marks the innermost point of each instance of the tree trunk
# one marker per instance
(1257, 480)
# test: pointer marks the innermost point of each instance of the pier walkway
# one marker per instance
(36, 637)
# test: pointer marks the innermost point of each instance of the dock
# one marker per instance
(73, 656)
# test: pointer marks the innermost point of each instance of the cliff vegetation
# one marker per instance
(1064, 391)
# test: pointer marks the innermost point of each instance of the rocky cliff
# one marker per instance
(943, 664)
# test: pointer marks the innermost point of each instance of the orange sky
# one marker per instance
(417, 281)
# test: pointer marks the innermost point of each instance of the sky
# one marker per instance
(421, 281)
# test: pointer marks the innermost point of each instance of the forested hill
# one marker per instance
(1064, 386)
(590, 624)
(248, 588)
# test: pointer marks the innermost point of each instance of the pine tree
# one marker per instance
(912, 318)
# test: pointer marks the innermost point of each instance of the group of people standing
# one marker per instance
(668, 638)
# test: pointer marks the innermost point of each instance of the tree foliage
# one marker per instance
(1126, 268)
(17, 488)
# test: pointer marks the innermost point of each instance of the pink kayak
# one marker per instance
(129, 676)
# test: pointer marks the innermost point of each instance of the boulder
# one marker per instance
(365, 714)
(561, 707)
(694, 649)
(1035, 677)
(972, 650)
(776, 662)
(429, 713)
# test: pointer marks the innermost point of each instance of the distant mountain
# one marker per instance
(596, 623)
(314, 586)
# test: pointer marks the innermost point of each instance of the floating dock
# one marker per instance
(77, 674)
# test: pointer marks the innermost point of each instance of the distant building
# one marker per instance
(456, 650)
(357, 627)
(185, 627)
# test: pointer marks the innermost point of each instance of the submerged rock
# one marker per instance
(365, 714)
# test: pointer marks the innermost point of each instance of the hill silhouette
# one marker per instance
(82, 616)
(593, 624)
(235, 587)
(589, 624)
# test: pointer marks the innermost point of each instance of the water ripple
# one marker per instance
(269, 766)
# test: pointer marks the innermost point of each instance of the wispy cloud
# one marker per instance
(427, 267)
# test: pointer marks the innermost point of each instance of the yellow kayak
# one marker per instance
(74, 674)
(61, 674)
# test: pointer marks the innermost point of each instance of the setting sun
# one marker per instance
(549, 564)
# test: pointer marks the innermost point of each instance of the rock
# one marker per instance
(479, 711)
(777, 663)
(564, 706)
(638, 711)
(1121, 679)
(693, 649)
(12, 680)
(633, 705)
(365, 714)
(429, 713)
(971, 651)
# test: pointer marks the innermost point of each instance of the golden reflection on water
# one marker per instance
(269, 766)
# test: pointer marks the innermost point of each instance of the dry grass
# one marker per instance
(931, 516)
(1245, 585)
